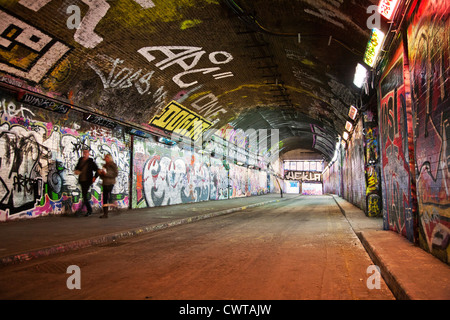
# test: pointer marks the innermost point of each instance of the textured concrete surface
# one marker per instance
(409, 272)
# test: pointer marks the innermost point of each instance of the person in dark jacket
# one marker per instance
(87, 171)
(108, 174)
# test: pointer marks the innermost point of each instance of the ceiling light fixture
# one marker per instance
(352, 112)
(373, 47)
(348, 126)
(345, 136)
(387, 8)
(360, 75)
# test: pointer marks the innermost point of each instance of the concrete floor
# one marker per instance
(299, 249)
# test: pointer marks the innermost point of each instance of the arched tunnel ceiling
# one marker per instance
(244, 64)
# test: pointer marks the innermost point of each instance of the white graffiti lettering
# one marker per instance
(11, 110)
(187, 58)
(303, 176)
(126, 78)
(21, 34)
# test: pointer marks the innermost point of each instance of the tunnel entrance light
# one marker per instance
(360, 75)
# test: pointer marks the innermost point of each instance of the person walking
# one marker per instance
(87, 171)
(108, 175)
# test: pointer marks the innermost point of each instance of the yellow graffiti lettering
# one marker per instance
(181, 126)
(163, 120)
(176, 118)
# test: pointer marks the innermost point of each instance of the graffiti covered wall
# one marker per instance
(396, 176)
(372, 165)
(428, 52)
(406, 149)
(353, 169)
(38, 153)
(332, 180)
(39, 150)
(332, 175)
(165, 175)
(396, 173)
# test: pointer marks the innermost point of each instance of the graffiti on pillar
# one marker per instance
(396, 176)
(20, 171)
(372, 180)
(429, 52)
(372, 165)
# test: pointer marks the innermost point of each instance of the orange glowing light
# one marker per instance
(348, 126)
(352, 112)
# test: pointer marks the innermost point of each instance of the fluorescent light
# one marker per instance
(345, 135)
(348, 126)
(352, 112)
(360, 75)
(373, 47)
(387, 8)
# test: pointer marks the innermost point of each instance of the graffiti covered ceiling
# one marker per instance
(241, 64)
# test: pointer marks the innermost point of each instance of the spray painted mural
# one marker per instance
(168, 175)
(372, 165)
(39, 150)
(165, 175)
(65, 60)
(37, 160)
(429, 52)
(395, 154)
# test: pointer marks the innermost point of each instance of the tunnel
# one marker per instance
(212, 100)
